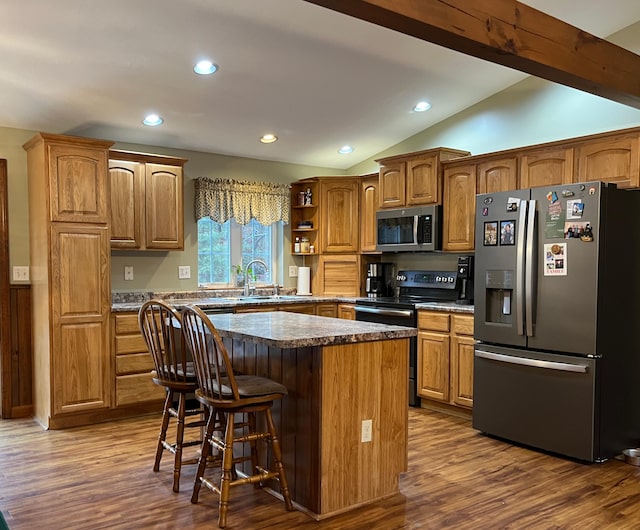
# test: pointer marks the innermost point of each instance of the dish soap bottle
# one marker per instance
(296, 246)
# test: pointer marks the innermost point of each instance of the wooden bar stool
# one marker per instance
(174, 370)
(230, 396)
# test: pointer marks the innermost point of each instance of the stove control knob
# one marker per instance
(401, 277)
(438, 279)
(451, 279)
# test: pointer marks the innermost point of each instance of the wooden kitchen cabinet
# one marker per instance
(336, 275)
(324, 309)
(459, 208)
(146, 201)
(497, 175)
(413, 179)
(133, 363)
(369, 200)
(445, 357)
(339, 214)
(71, 277)
(546, 167)
(610, 158)
(347, 311)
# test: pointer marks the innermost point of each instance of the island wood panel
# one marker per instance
(331, 389)
(296, 415)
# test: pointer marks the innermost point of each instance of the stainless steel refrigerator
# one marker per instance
(557, 318)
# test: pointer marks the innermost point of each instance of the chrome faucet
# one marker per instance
(247, 289)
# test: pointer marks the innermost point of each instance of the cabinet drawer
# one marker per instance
(131, 344)
(433, 320)
(134, 363)
(137, 388)
(127, 323)
(463, 325)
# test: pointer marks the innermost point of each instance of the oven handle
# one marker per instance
(408, 313)
(536, 363)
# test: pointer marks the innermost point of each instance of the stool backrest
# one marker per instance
(213, 366)
(160, 326)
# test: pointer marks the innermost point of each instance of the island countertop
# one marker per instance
(294, 330)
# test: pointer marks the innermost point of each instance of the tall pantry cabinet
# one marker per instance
(71, 278)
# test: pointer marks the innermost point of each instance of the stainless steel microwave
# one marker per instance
(415, 229)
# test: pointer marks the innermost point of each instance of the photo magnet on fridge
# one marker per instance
(508, 232)
(512, 204)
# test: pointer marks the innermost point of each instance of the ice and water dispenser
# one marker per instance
(499, 291)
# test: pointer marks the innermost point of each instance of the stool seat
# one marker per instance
(233, 402)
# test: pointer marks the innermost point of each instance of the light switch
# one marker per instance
(293, 271)
(184, 272)
(128, 273)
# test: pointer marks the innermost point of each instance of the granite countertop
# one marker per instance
(450, 307)
(282, 329)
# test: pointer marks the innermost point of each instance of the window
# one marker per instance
(221, 245)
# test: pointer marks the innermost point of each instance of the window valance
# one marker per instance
(223, 199)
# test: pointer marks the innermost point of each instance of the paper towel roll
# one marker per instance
(304, 280)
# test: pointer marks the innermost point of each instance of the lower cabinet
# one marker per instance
(133, 363)
(445, 357)
(347, 311)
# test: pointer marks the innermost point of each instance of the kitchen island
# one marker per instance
(338, 373)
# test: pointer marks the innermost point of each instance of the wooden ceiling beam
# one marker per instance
(512, 34)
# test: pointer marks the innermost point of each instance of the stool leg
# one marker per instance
(163, 429)
(227, 464)
(177, 461)
(251, 422)
(277, 456)
(205, 451)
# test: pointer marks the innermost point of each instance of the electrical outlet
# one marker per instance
(365, 434)
(21, 274)
(128, 273)
(293, 271)
(184, 272)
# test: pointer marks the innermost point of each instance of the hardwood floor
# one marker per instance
(101, 477)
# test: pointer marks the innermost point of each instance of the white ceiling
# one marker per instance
(316, 78)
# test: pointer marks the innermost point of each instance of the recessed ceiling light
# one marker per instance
(153, 120)
(345, 150)
(205, 67)
(269, 138)
(421, 106)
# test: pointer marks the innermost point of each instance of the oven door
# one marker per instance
(396, 317)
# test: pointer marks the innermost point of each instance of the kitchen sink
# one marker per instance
(262, 297)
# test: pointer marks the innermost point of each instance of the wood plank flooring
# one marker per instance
(101, 477)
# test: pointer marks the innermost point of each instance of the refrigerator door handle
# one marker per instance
(530, 267)
(536, 363)
(520, 267)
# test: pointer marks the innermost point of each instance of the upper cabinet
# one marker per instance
(369, 199)
(460, 185)
(146, 201)
(546, 167)
(339, 211)
(413, 179)
(611, 158)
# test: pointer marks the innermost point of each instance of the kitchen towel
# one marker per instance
(304, 280)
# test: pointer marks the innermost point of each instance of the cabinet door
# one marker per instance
(498, 175)
(392, 185)
(163, 207)
(346, 311)
(369, 206)
(423, 184)
(462, 370)
(80, 356)
(610, 160)
(433, 365)
(459, 207)
(546, 168)
(327, 310)
(306, 309)
(127, 203)
(339, 214)
(337, 275)
(78, 184)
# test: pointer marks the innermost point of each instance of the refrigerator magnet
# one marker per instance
(555, 263)
(567, 193)
(507, 232)
(552, 197)
(490, 234)
(575, 209)
(512, 204)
